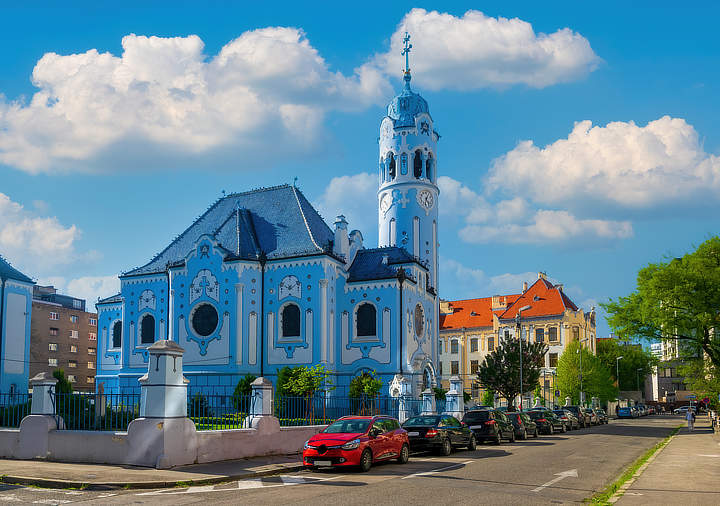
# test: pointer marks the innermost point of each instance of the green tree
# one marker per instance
(675, 300)
(242, 390)
(467, 397)
(63, 386)
(366, 384)
(702, 379)
(634, 358)
(439, 393)
(305, 381)
(488, 398)
(597, 381)
(500, 371)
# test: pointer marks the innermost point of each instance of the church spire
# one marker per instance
(406, 52)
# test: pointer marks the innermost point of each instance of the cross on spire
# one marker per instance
(406, 52)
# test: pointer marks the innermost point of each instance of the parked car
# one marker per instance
(523, 424)
(580, 414)
(547, 421)
(489, 425)
(570, 420)
(440, 433)
(682, 410)
(357, 441)
(635, 412)
(625, 412)
(602, 415)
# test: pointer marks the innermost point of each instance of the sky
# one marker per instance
(577, 139)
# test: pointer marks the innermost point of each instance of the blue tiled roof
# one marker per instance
(368, 263)
(406, 106)
(279, 221)
(7, 271)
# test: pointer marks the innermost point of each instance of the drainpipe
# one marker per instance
(401, 279)
(263, 261)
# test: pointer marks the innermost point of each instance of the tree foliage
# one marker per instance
(500, 371)
(676, 300)
(63, 386)
(634, 358)
(305, 381)
(242, 390)
(365, 384)
(439, 393)
(597, 381)
(488, 398)
(702, 379)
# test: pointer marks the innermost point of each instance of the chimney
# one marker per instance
(524, 287)
(542, 275)
(341, 244)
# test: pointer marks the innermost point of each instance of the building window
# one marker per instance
(507, 334)
(391, 164)
(473, 345)
(73, 318)
(72, 363)
(54, 316)
(52, 362)
(491, 344)
(366, 320)
(90, 379)
(539, 335)
(454, 367)
(91, 351)
(92, 336)
(429, 168)
(147, 329)
(417, 164)
(403, 163)
(53, 331)
(552, 334)
(73, 348)
(440, 368)
(454, 347)
(74, 334)
(290, 326)
(77, 303)
(576, 333)
(553, 358)
(474, 366)
(91, 365)
(204, 319)
(117, 334)
(52, 346)
(71, 378)
(93, 322)
(439, 347)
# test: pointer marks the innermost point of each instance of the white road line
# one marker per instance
(247, 484)
(254, 483)
(10, 498)
(51, 501)
(560, 476)
(200, 489)
(434, 471)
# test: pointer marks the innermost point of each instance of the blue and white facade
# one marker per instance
(260, 282)
(16, 290)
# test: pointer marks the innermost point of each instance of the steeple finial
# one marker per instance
(406, 52)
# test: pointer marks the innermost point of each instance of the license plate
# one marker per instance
(323, 463)
(413, 433)
(473, 427)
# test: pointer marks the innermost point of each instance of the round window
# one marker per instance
(204, 319)
(419, 320)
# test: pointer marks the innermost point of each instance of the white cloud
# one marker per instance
(477, 51)
(620, 165)
(461, 282)
(34, 243)
(163, 99)
(89, 288)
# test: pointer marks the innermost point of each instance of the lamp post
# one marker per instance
(519, 334)
(582, 394)
(617, 372)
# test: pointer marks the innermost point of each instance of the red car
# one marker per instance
(357, 441)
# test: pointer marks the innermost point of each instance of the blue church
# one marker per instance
(16, 293)
(260, 281)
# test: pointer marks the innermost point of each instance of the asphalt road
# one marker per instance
(557, 469)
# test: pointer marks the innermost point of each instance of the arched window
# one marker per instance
(290, 321)
(366, 320)
(391, 164)
(117, 334)
(403, 163)
(429, 168)
(417, 164)
(147, 329)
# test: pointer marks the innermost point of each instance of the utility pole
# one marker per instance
(519, 334)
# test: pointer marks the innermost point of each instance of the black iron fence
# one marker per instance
(321, 409)
(13, 408)
(217, 412)
(110, 412)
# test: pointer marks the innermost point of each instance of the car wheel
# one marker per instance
(498, 438)
(472, 445)
(564, 429)
(365, 461)
(446, 448)
(536, 433)
(512, 437)
(524, 434)
(404, 455)
(551, 430)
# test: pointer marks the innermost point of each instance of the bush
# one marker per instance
(439, 393)
(366, 384)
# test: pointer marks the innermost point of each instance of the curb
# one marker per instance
(115, 485)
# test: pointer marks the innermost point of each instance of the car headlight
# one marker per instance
(306, 446)
(351, 445)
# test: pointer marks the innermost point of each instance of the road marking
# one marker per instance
(702, 455)
(51, 501)
(434, 471)
(10, 498)
(105, 495)
(560, 476)
(254, 483)
(200, 489)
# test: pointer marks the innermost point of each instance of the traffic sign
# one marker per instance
(557, 393)
(692, 396)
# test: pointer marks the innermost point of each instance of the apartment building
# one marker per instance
(63, 336)
(470, 329)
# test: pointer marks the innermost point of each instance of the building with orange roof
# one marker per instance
(472, 328)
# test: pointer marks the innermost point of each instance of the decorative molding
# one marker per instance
(290, 286)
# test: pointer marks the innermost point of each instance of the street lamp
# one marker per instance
(519, 334)
(582, 394)
(617, 373)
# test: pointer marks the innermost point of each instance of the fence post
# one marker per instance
(35, 428)
(454, 401)
(537, 403)
(568, 401)
(403, 388)
(42, 403)
(428, 398)
(163, 389)
(262, 407)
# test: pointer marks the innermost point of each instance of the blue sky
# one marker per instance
(576, 140)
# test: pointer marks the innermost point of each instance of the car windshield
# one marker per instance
(559, 412)
(421, 421)
(476, 416)
(536, 414)
(350, 426)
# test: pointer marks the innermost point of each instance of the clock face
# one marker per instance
(385, 203)
(425, 199)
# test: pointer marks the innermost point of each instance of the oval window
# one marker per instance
(204, 319)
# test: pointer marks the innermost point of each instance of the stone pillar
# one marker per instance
(454, 401)
(405, 392)
(163, 436)
(537, 403)
(36, 427)
(568, 401)
(262, 407)
(42, 403)
(428, 398)
(595, 402)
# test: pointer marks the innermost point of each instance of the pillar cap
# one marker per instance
(166, 347)
(261, 381)
(428, 391)
(43, 377)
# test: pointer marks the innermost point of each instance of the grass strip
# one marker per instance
(604, 495)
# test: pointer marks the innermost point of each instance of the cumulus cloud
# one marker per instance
(462, 282)
(34, 243)
(163, 99)
(477, 51)
(355, 197)
(89, 288)
(620, 164)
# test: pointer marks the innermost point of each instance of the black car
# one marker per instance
(547, 422)
(602, 416)
(489, 425)
(571, 421)
(582, 416)
(523, 424)
(440, 433)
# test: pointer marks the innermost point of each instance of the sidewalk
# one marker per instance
(101, 477)
(685, 472)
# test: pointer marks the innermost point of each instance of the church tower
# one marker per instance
(408, 192)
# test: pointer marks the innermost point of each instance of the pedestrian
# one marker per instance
(690, 417)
